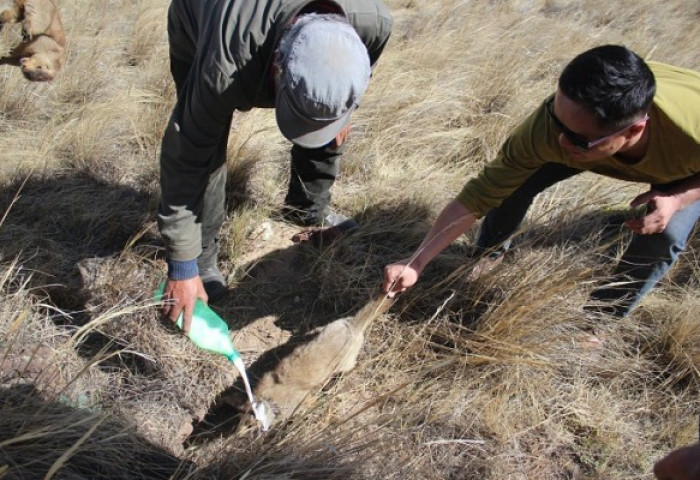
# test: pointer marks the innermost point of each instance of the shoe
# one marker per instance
(300, 217)
(330, 227)
(613, 301)
(338, 221)
(214, 283)
(485, 264)
(314, 218)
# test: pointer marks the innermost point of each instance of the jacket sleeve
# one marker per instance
(373, 24)
(194, 145)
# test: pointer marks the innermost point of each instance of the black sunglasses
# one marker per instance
(579, 141)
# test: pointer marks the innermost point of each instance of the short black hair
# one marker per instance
(612, 82)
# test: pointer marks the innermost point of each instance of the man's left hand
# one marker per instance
(660, 208)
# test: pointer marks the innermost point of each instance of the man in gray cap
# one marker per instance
(311, 61)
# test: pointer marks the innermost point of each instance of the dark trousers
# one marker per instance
(645, 261)
(313, 172)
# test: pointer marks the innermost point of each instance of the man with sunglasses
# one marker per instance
(612, 114)
(309, 60)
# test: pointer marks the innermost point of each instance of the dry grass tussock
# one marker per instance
(461, 380)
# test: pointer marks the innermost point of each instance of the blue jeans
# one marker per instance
(645, 261)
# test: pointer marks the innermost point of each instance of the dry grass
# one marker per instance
(480, 380)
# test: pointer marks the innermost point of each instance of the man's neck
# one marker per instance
(321, 7)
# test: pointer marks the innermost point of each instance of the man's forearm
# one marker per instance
(454, 220)
(180, 205)
(688, 191)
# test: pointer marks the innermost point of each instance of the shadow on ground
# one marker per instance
(58, 227)
(40, 439)
(55, 222)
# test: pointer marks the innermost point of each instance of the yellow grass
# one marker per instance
(460, 380)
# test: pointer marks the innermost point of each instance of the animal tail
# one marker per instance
(379, 305)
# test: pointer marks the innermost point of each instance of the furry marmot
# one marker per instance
(42, 52)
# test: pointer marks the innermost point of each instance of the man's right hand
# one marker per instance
(180, 297)
(398, 277)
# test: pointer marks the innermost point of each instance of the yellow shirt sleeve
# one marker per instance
(531, 145)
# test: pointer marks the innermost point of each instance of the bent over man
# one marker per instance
(612, 114)
(310, 60)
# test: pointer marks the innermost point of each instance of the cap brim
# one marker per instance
(303, 131)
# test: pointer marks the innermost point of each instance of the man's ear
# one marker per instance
(636, 129)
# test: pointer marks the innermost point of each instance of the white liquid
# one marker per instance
(258, 407)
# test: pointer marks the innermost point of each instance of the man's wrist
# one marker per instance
(182, 270)
(416, 263)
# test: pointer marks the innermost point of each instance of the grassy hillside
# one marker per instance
(459, 380)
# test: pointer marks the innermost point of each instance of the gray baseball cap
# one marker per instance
(325, 70)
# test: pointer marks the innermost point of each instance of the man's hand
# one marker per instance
(180, 297)
(398, 277)
(681, 464)
(660, 209)
(453, 221)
